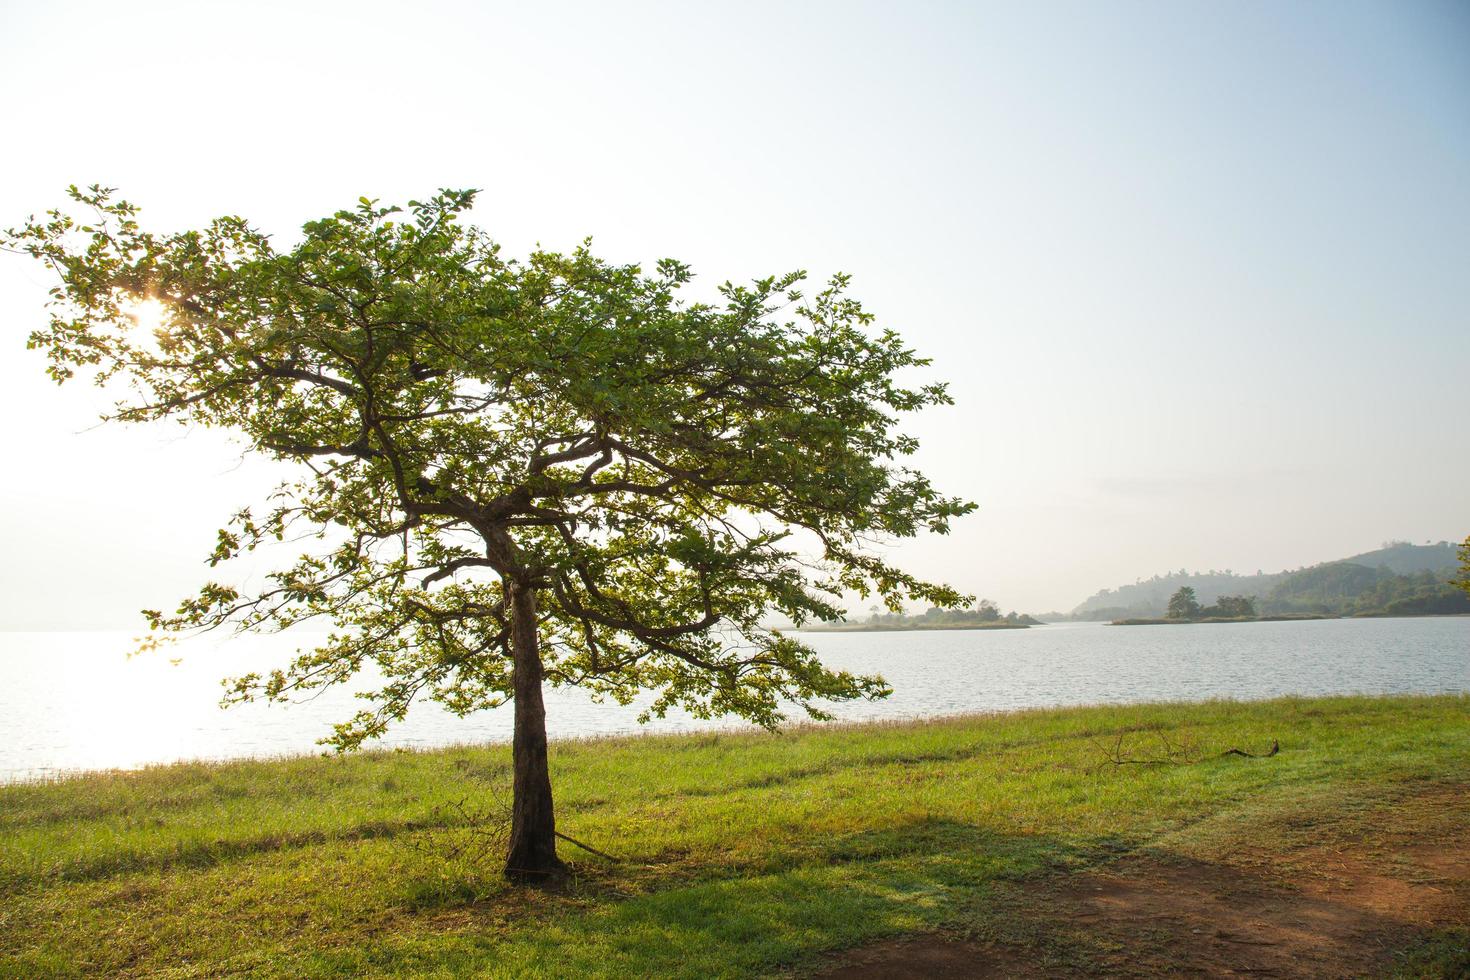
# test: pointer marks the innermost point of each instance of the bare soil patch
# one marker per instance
(1341, 909)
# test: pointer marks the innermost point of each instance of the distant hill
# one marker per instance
(1347, 588)
(1403, 558)
(1329, 586)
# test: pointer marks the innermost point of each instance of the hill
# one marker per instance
(1403, 558)
(1346, 588)
(1412, 575)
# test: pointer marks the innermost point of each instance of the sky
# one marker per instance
(1198, 274)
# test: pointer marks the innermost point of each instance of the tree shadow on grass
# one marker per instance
(943, 898)
(847, 890)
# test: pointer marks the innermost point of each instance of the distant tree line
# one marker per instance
(982, 613)
(1276, 593)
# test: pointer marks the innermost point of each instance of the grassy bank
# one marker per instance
(741, 854)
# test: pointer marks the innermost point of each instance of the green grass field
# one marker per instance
(741, 854)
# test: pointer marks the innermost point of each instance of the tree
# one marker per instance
(511, 473)
(1232, 607)
(1464, 580)
(1183, 604)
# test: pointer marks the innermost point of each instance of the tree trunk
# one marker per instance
(532, 856)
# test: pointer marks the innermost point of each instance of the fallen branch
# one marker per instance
(587, 847)
(1275, 747)
(1184, 751)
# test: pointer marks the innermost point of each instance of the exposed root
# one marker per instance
(588, 848)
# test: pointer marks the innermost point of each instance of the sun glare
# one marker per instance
(147, 314)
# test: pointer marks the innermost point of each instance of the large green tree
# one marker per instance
(511, 473)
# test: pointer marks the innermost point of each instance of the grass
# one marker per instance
(743, 854)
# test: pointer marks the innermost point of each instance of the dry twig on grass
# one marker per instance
(456, 831)
(1183, 750)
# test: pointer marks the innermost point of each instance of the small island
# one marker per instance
(986, 615)
(1184, 607)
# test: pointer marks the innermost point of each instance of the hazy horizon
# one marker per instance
(1195, 274)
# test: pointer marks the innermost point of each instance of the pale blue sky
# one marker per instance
(1197, 273)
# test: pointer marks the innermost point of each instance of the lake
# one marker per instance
(75, 701)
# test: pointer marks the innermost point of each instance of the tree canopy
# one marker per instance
(1231, 607)
(1183, 604)
(507, 470)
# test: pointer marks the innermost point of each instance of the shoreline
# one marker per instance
(915, 629)
(795, 728)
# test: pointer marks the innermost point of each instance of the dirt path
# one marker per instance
(1341, 907)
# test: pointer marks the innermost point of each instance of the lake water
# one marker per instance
(75, 701)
